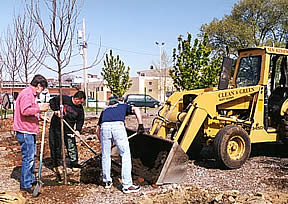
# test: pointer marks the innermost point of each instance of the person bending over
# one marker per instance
(111, 128)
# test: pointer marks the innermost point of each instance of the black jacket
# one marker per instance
(72, 114)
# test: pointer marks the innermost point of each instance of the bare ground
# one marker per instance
(262, 179)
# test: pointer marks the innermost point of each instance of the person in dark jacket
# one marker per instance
(73, 114)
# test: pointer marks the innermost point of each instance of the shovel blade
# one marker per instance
(37, 188)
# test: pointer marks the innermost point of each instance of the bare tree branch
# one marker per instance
(29, 44)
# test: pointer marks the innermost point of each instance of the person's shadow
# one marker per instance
(16, 173)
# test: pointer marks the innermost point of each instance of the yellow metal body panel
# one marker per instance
(198, 116)
(241, 103)
(275, 50)
(258, 125)
(209, 101)
(261, 135)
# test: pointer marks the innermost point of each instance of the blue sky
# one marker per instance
(131, 27)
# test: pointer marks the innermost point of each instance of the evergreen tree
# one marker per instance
(116, 75)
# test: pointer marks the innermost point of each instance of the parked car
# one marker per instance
(141, 100)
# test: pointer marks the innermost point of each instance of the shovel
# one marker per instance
(39, 182)
(80, 137)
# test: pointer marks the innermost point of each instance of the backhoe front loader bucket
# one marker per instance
(157, 160)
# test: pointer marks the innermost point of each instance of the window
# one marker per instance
(149, 90)
(142, 74)
(150, 83)
(102, 88)
(249, 71)
(148, 98)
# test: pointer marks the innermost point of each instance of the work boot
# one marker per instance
(58, 170)
(75, 166)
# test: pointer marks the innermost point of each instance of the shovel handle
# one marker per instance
(79, 137)
(42, 144)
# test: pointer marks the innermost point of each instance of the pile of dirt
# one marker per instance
(193, 194)
(92, 171)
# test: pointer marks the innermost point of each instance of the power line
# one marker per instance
(135, 52)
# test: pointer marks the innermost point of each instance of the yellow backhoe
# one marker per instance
(250, 109)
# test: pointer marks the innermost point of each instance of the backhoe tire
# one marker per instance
(232, 147)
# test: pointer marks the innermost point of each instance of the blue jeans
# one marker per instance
(28, 148)
(115, 131)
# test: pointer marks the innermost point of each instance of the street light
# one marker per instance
(160, 45)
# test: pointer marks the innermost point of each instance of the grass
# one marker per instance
(86, 109)
(92, 109)
(8, 112)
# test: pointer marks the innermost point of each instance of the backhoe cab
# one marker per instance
(252, 110)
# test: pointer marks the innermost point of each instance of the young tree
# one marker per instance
(58, 37)
(163, 73)
(31, 51)
(10, 56)
(116, 75)
(193, 67)
(251, 23)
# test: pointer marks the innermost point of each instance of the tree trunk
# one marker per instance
(62, 126)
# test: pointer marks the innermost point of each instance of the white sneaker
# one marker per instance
(108, 184)
(131, 189)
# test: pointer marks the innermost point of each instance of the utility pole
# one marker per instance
(83, 51)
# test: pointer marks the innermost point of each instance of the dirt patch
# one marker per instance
(6, 125)
(262, 179)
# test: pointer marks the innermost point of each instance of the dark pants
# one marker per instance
(55, 145)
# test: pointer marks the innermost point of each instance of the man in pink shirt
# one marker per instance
(26, 126)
